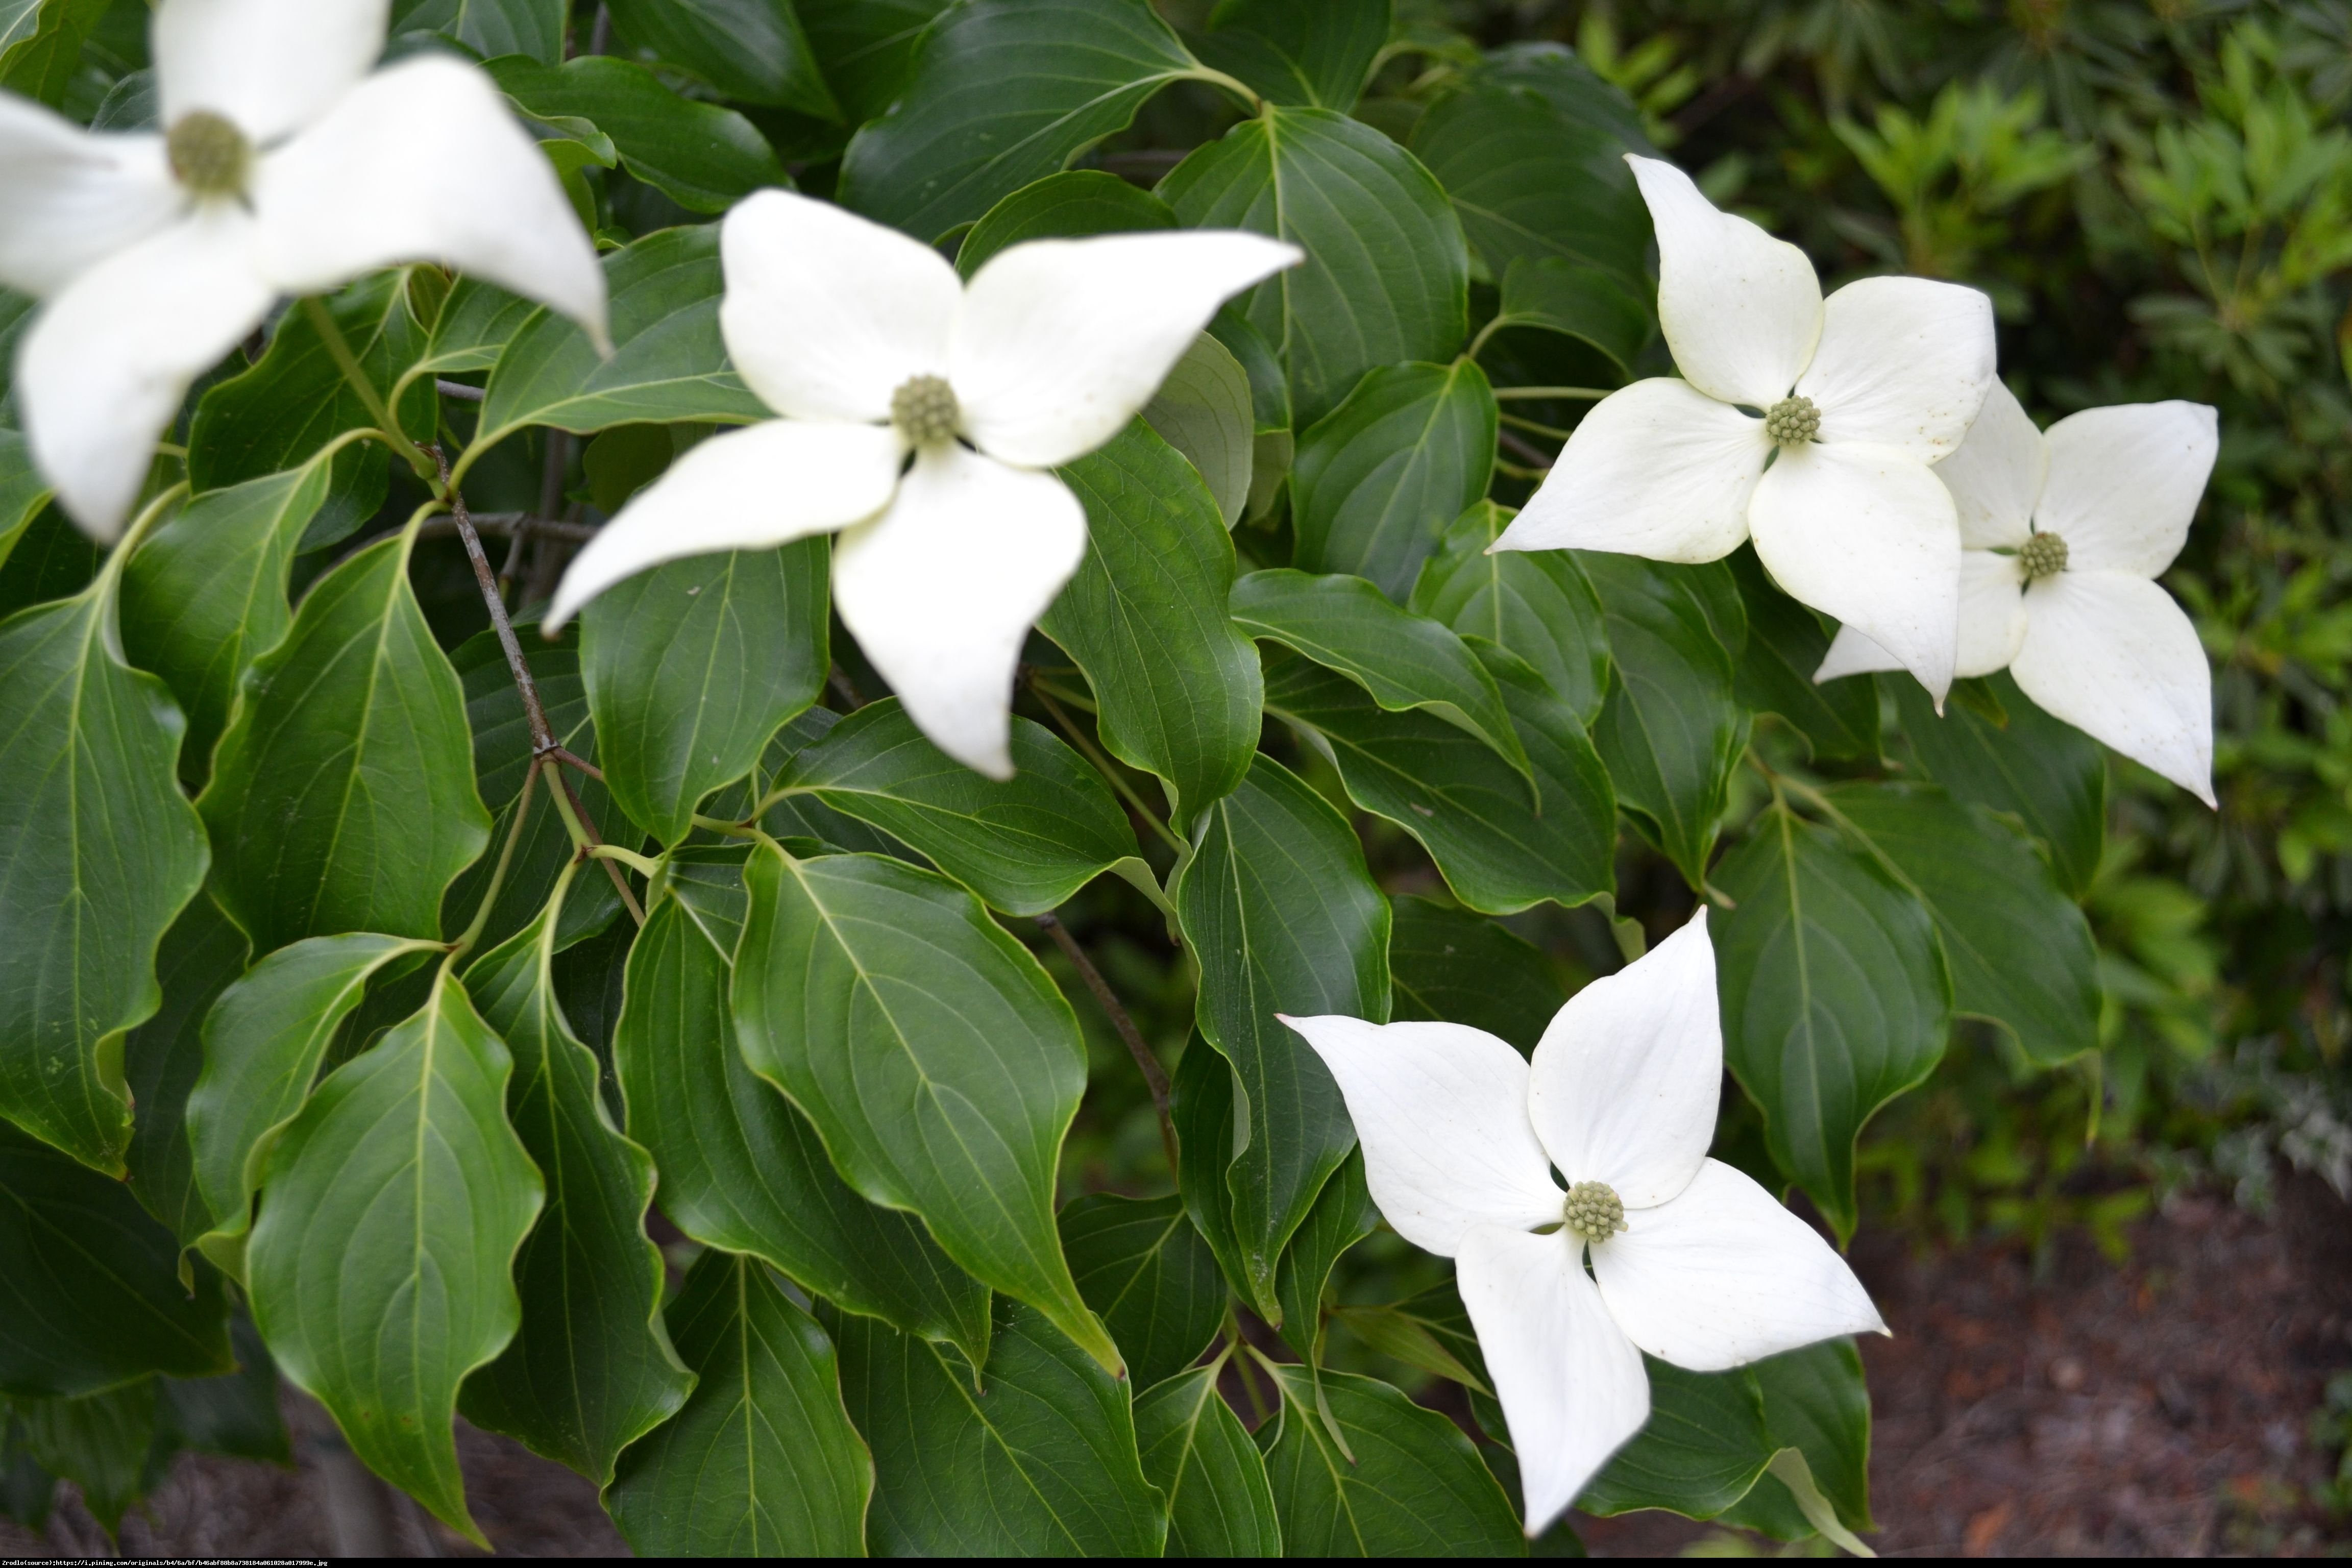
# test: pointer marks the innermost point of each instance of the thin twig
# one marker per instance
(459, 390)
(1562, 393)
(1102, 765)
(1153, 1075)
(582, 764)
(600, 37)
(511, 523)
(845, 687)
(1525, 448)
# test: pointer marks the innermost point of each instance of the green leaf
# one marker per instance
(1145, 619)
(1200, 1455)
(1313, 52)
(41, 43)
(490, 27)
(1379, 477)
(476, 323)
(394, 1205)
(1005, 93)
(1414, 1487)
(90, 1285)
(205, 595)
(2020, 952)
(701, 156)
(264, 1040)
(1431, 1331)
(1403, 661)
(1536, 602)
(1816, 1401)
(763, 1461)
(866, 48)
(1995, 747)
(1024, 846)
(1499, 851)
(1150, 1277)
(51, 559)
(234, 1413)
(1282, 916)
(668, 363)
(741, 1169)
(1454, 967)
(200, 955)
(1704, 1446)
(751, 51)
(1785, 645)
(26, 1489)
(23, 490)
(590, 1369)
(1071, 205)
(1578, 300)
(1386, 276)
(343, 792)
(691, 665)
(1835, 996)
(1038, 1459)
(804, 815)
(101, 1442)
(1669, 728)
(930, 1051)
(1203, 410)
(1343, 1216)
(101, 851)
(1200, 1105)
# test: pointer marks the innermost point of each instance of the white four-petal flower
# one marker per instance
(869, 347)
(2065, 534)
(1859, 393)
(284, 168)
(1460, 1135)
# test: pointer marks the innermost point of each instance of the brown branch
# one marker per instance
(1525, 448)
(1153, 1075)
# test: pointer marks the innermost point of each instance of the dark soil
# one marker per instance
(2157, 1408)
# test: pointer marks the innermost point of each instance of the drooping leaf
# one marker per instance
(1377, 480)
(1995, 747)
(1836, 995)
(763, 1461)
(1455, 967)
(1312, 52)
(1200, 1455)
(1785, 645)
(1343, 1216)
(200, 955)
(1071, 205)
(751, 51)
(101, 1442)
(1038, 1459)
(1145, 619)
(342, 793)
(1536, 602)
(1150, 1277)
(1205, 410)
(1386, 275)
(701, 156)
(1282, 916)
(391, 1209)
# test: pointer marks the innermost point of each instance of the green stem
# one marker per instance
(645, 866)
(1102, 765)
(745, 828)
(506, 858)
(1565, 393)
(1502, 320)
(1552, 431)
(323, 320)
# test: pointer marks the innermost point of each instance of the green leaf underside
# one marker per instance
(1536, 602)
(162, 1058)
(866, 48)
(1380, 478)
(1200, 1455)
(1452, 966)
(1415, 1487)
(1205, 410)
(1150, 1277)
(2047, 774)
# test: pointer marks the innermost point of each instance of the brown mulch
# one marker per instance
(2157, 1408)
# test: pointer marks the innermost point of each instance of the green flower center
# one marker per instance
(209, 154)
(1592, 1211)
(2045, 556)
(1792, 421)
(924, 411)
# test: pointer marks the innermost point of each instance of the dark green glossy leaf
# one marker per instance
(476, 323)
(101, 1442)
(1836, 995)
(804, 815)
(342, 793)
(1431, 1331)
(763, 1461)
(930, 1052)
(1378, 479)
(1283, 917)
(1536, 602)
(1343, 1216)
(1200, 1105)
(1314, 52)
(1816, 1402)
(741, 1169)
(200, 955)
(17, 313)
(490, 28)
(690, 666)
(701, 156)
(866, 48)
(90, 1286)
(1200, 1455)
(1455, 967)
(1995, 747)
(751, 51)
(1203, 410)
(1704, 1446)
(23, 490)
(50, 559)
(1386, 276)
(1785, 645)
(1150, 1277)
(391, 1209)
(1578, 300)
(1145, 619)
(1038, 1459)
(1071, 205)
(1005, 93)
(1414, 1487)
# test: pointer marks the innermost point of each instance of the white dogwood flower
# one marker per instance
(1808, 425)
(2065, 534)
(1691, 1260)
(284, 167)
(869, 348)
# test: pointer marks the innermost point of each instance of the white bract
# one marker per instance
(869, 348)
(1692, 1261)
(1848, 400)
(2065, 534)
(284, 167)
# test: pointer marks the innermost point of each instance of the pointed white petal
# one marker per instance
(1850, 653)
(2124, 483)
(1572, 1384)
(1724, 1275)
(1657, 468)
(103, 369)
(1904, 363)
(1866, 534)
(2111, 654)
(1628, 1078)
(73, 198)
(942, 588)
(1442, 1113)
(1062, 342)
(423, 163)
(1740, 309)
(1992, 613)
(828, 314)
(271, 66)
(1995, 476)
(745, 490)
